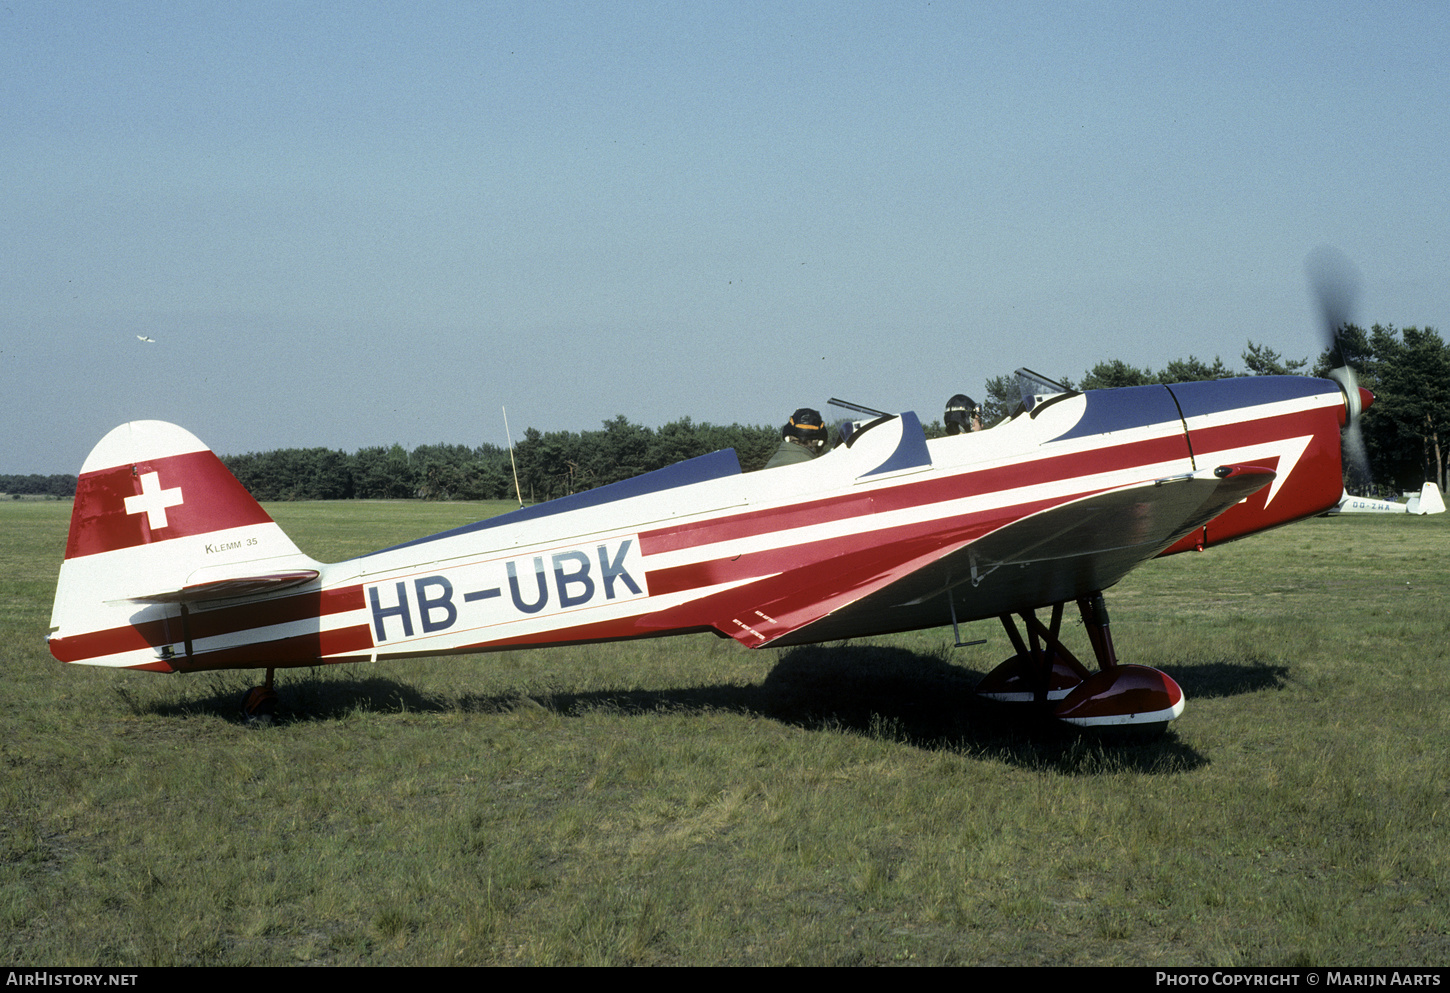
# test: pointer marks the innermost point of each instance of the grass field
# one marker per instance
(686, 801)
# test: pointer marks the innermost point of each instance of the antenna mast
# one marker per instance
(517, 490)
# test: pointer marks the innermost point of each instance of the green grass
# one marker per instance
(685, 801)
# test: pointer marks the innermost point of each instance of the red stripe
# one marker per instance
(882, 542)
(1032, 472)
(751, 523)
(113, 641)
(1267, 430)
(207, 624)
(299, 607)
(302, 649)
(1312, 486)
(212, 500)
(1036, 472)
(806, 582)
(619, 629)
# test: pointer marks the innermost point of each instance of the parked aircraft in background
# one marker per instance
(1427, 501)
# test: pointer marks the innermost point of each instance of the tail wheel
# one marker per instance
(259, 704)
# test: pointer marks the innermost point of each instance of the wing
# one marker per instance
(1051, 556)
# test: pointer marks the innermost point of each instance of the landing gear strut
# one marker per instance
(1045, 672)
(259, 703)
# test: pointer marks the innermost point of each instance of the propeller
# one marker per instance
(1335, 282)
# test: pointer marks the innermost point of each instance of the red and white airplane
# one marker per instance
(171, 566)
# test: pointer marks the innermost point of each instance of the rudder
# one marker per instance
(159, 522)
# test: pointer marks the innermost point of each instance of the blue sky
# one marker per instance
(365, 223)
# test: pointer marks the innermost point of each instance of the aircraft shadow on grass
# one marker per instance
(915, 698)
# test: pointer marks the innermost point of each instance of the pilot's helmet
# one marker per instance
(806, 426)
(960, 411)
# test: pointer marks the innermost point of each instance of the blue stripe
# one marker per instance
(716, 465)
(1121, 409)
(1214, 395)
(911, 450)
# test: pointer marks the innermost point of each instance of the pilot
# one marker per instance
(802, 439)
(962, 415)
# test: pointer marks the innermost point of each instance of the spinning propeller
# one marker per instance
(1335, 282)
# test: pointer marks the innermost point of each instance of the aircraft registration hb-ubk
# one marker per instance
(172, 566)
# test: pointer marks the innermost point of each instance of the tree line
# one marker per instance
(34, 484)
(557, 463)
(549, 464)
(1408, 370)
(1259, 360)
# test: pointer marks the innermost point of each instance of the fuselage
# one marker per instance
(871, 537)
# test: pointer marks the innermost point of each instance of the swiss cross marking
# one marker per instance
(153, 500)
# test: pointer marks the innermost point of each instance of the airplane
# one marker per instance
(171, 565)
(1427, 501)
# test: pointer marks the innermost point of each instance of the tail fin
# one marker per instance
(1428, 502)
(159, 523)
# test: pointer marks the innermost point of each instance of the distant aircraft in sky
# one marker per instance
(142, 337)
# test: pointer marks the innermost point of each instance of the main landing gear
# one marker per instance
(1045, 672)
(259, 704)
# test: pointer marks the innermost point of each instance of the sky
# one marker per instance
(358, 224)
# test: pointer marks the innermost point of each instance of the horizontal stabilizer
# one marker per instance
(158, 525)
(231, 588)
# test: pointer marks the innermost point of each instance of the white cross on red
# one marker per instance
(153, 500)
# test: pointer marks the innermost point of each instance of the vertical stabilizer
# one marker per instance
(1428, 502)
(159, 522)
